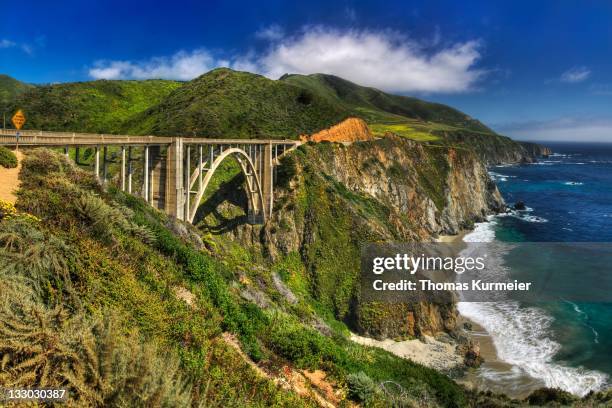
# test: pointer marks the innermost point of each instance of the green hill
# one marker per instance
(379, 108)
(97, 106)
(227, 103)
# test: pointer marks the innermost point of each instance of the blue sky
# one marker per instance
(532, 70)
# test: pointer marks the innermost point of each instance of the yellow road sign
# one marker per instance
(18, 119)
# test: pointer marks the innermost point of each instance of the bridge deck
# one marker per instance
(43, 138)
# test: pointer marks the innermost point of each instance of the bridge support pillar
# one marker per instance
(129, 170)
(97, 163)
(175, 178)
(104, 163)
(145, 177)
(122, 168)
(267, 181)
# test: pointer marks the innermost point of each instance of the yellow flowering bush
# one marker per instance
(8, 211)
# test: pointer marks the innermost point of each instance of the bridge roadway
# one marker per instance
(175, 170)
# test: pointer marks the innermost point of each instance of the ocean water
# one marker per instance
(563, 343)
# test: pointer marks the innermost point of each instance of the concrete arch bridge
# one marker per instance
(175, 171)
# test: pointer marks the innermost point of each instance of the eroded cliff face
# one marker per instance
(332, 199)
(349, 130)
(425, 190)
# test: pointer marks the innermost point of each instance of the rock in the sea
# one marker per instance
(520, 206)
(472, 356)
(467, 326)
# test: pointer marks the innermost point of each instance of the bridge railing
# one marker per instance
(44, 138)
(41, 138)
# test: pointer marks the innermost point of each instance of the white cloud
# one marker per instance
(376, 58)
(181, 66)
(381, 59)
(576, 74)
(4, 43)
(25, 47)
(584, 129)
(270, 33)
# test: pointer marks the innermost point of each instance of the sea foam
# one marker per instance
(522, 337)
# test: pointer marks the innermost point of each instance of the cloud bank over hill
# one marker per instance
(382, 59)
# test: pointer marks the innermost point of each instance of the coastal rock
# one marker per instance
(520, 206)
(472, 355)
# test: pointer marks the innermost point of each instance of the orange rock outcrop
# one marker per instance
(349, 130)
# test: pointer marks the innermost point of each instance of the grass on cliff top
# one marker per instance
(403, 130)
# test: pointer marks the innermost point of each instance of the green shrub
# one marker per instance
(40, 258)
(286, 171)
(96, 363)
(361, 387)
(7, 158)
(306, 347)
(543, 396)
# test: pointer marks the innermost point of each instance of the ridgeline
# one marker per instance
(229, 104)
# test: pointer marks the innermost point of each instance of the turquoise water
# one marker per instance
(564, 343)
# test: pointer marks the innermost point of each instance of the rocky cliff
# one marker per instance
(332, 199)
(536, 150)
(496, 149)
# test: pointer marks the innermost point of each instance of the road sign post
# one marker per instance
(18, 120)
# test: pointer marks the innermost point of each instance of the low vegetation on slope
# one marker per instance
(110, 299)
(8, 159)
(96, 107)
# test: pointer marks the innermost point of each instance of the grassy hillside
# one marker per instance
(405, 116)
(226, 103)
(376, 106)
(10, 88)
(97, 106)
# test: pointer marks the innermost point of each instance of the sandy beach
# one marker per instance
(428, 351)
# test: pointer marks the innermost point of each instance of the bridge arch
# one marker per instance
(256, 210)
